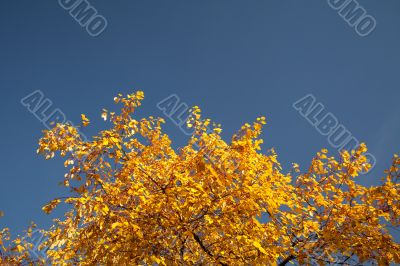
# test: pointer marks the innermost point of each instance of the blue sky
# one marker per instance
(237, 60)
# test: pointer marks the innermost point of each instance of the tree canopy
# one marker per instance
(135, 200)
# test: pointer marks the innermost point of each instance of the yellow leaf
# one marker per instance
(51, 205)
(115, 225)
(218, 130)
(85, 120)
(19, 248)
(259, 247)
(104, 115)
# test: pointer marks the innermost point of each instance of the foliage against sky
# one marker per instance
(135, 200)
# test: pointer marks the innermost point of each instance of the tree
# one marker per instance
(135, 200)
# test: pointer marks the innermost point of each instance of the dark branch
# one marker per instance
(285, 261)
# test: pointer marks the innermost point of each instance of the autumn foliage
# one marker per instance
(134, 200)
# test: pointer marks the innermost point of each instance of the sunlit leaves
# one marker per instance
(85, 120)
(134, 200)
(51, 205)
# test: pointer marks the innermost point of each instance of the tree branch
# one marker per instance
(285, 261)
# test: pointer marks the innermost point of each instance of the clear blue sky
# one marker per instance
(235, 59)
